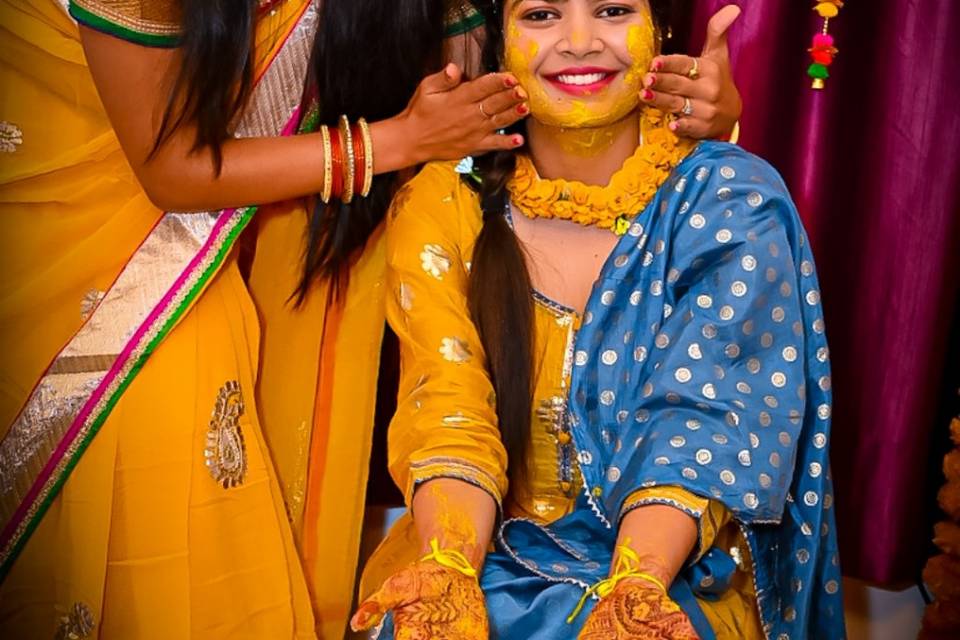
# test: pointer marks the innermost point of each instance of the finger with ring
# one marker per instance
(482, 112)
(687, 109)
(694, 72)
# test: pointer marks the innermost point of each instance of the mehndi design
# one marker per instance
(634, 604)
(637, 610)
(429, 601)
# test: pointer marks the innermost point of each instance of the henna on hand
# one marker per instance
(429, 602)
(637, 610)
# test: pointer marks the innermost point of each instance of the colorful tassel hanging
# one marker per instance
(823, 52)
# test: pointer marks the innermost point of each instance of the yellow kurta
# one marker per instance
(446, 425)
(142, 541)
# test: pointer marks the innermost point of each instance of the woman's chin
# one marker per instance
(585, 116)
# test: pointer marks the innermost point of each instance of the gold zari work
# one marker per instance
(151, 17)
(226, 455)
(77, 623)
(11, 137)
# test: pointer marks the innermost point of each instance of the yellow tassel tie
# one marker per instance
(627, 567)
(450, 558)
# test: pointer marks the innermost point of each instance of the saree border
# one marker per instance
(143, 32)
(101, 402)
(462, 19)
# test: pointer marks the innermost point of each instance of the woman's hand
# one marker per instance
(428, 600)
(448, 119)
(637, 609)
(714, 102)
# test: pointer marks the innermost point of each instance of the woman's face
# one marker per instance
(581, 61)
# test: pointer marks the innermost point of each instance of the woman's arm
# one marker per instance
(445, 451)
(457, 515)
(662, 537)
(443, 121)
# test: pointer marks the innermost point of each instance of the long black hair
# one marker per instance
(499, 297)
(368, 58)
(216, 72)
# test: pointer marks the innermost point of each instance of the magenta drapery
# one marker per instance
(874, 165)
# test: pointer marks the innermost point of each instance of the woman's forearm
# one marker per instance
(662, 536)
(256, 170)
(458, 515)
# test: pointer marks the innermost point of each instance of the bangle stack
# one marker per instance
(347, 161)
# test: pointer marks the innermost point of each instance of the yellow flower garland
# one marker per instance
(631, 188)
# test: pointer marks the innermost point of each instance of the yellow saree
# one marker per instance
(172, 523)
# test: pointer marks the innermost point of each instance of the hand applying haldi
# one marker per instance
(700, 91)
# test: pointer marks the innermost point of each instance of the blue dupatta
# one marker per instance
(701, 363)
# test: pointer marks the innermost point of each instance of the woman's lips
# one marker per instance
(581, 81)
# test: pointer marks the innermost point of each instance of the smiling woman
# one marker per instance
(639, 349)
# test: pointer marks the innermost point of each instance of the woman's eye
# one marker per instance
(614, 12)
(539, 15)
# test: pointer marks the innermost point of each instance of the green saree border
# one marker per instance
(466, 24)
(99, 23)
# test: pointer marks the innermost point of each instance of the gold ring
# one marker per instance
(694, 73)
(484, 113)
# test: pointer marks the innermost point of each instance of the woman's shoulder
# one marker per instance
(724, 162)
(152, 23)
(438, 197)
(723, 177)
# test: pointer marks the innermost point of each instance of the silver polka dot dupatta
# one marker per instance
(706, 327)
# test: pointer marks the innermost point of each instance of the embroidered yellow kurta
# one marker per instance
(446, 424)
(142, 541)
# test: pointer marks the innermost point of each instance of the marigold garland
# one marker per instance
(630, 189)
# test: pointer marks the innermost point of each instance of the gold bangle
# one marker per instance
(367, 156)
(348, 160)
(327, 164)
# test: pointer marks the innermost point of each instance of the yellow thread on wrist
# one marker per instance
(627, 567)
(450, 558)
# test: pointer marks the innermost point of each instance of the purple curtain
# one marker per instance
(874, 165)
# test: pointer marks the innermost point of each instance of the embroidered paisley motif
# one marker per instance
(226, 454)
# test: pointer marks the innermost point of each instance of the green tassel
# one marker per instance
(818, 71)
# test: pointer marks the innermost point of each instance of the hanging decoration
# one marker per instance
(823, 52)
